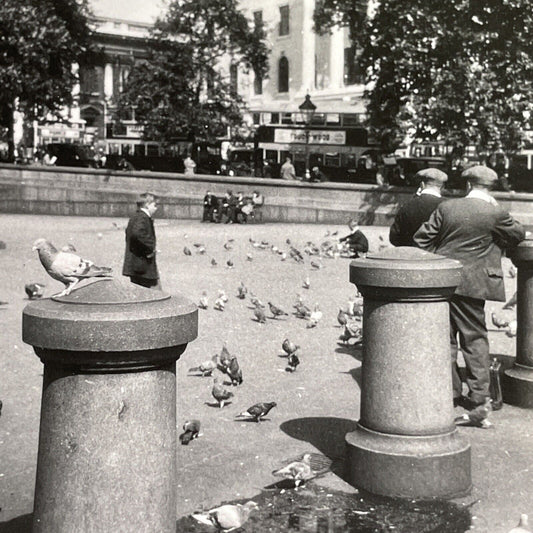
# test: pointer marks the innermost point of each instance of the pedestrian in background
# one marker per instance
(417, 210)
(287, 171)
(189, 166)
(140, 256)
(210, 207)
(473, 230)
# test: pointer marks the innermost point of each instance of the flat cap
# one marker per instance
(433, 174)
(480, 175)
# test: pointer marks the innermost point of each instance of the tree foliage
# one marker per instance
(460, 70)
(39, 42)
(180, 89)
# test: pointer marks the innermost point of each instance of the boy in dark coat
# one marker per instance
(356, 240)
(139, 259)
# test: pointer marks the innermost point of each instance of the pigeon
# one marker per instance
(511, 302)
(187, 251)
(335, 233)
(67, 267)
(355, 307)
(220, 394)
(307, 283)
(292, 362)
(34, 290)
(351, 332)
(259, 315)
(297, 471)
(68, 248)
(314, 317)
(228, 246)
(229, 263)
(523, 525)
(276, 311)
(201, 250)
(226, 517)
(499, 321)
(207, 367)
(258, 411)
(204, 301)
(241, 291)
(342, 317)
(249, 257)
(316, 266)
(222, 295)
(256, 301)
(198, 245)
(512, 272)
(289, 346)
(214, 262)
(477, 417)
(191, 430)
(224, 358)
(219, 304)
(234, 371)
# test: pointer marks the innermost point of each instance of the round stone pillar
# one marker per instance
(406, 443)
(518, 380)
(107, 440)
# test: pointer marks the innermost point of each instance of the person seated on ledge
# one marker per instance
(355, 243)
(210, 207)
(317, 175)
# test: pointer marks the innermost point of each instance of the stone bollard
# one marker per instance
(107, 440)
(406, 443)
(518, 380)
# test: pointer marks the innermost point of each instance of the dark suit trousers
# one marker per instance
(467, 325)
(145, 282)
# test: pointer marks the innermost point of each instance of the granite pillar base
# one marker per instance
(518, 386)
(436, 466)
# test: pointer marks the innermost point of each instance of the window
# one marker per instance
(352, 71)
(332, 159)
(234, 78)
(283, 75)
(284, 20)
(258, 84)
(286, 118)
(152, 149)
(256, 118)
(274, 118)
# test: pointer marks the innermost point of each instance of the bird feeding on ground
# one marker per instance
(206, 368)
(67, 267)
(191, 430)
(204, 301)
(289, 346)
(257, 412)
(259, 315)
(220, 394)
(276, 311)
(478, 417)
(297, 471)
(226, 517)
(292, 362)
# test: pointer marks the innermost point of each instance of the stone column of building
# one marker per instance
(406, 443)
(518, 380)
(308, 47)
(336, 58)
(107, 440)
(108, 80)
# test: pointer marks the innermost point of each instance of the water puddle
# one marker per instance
(315, 509)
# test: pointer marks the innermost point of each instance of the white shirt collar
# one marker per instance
(482, 195)
(144, 210)
(431, 191)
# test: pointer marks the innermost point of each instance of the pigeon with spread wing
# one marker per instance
(67, 267)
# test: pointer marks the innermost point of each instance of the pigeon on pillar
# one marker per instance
(67, 267)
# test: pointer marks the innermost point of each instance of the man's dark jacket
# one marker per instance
(474, 232)
(139, 258)
(410, 217)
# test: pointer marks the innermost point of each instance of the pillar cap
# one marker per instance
(110, 315)
(406, 267)
(522, 253)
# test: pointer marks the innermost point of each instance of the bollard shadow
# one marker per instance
(356, 374)
(20, 524)
(355, 350)
(326, 434)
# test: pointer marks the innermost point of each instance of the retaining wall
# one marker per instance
(100, 192)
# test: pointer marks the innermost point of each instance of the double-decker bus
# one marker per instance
(338, 144)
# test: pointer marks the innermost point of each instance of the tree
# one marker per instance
(461, 70)
(39, 42)
(180, 90)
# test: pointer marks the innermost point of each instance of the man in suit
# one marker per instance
(417, 210)
(473, 230)
(139, 259)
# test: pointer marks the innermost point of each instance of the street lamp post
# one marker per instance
(307, 109)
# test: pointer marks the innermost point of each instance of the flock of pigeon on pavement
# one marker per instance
(67, 267)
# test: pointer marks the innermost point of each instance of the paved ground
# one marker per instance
(316, 406)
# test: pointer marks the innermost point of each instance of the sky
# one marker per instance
(132, 10)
